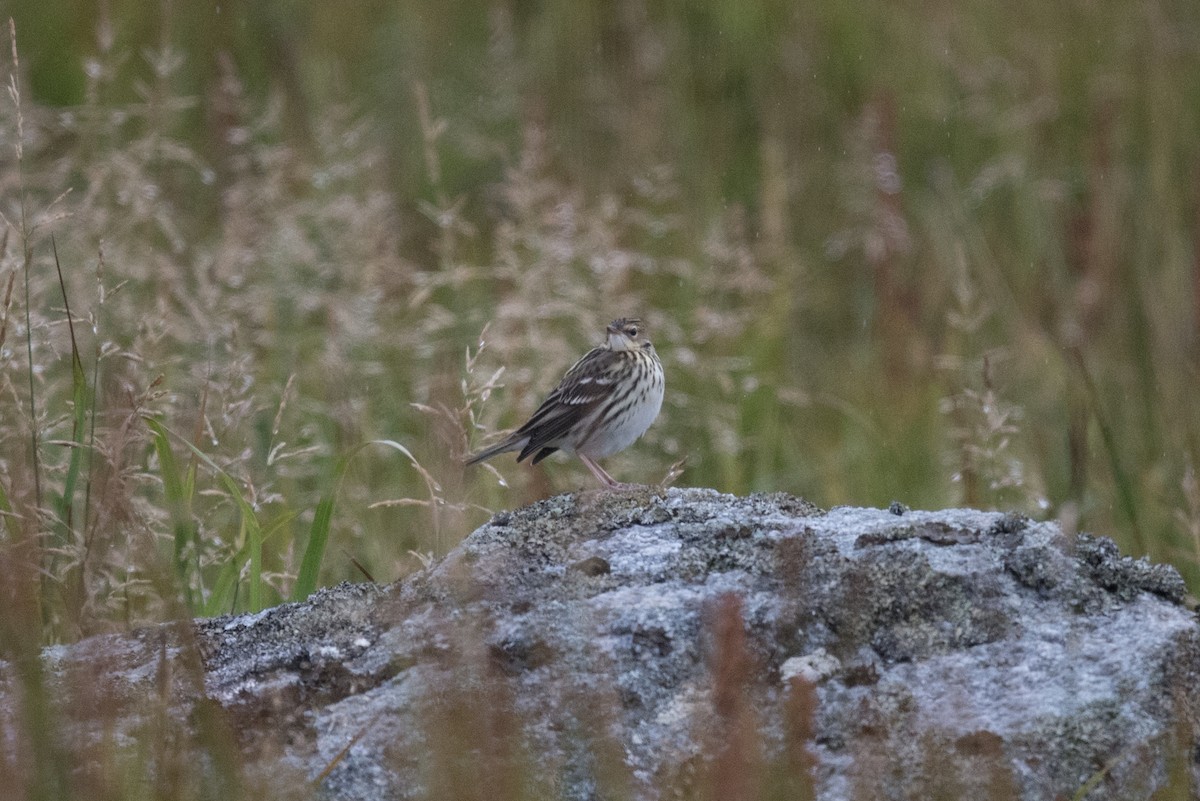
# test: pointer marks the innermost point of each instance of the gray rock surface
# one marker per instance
(660, 644)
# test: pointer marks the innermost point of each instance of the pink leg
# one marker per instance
(597, 471)
(601, 475)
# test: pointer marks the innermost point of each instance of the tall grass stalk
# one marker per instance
(14, 94)
(89, 529)
(1126, 493)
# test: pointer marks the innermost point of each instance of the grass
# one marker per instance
(901, 252)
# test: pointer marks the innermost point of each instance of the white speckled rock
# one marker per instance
(955, 654)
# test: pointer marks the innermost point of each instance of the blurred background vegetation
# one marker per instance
(269, 270)
(939, 253)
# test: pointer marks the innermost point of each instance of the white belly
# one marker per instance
(616, 438)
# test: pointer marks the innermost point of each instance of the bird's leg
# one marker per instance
(601, 475)
(597, 471)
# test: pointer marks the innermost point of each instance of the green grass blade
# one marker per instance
(250, 533)
(178, 502)
(5, 506)
(318, 538)
(224, 592)
(79, 399)
(225, 587)
(249, 522)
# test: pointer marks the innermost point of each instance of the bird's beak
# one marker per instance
(617, 340)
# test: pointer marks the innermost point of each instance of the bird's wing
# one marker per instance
(584, 386)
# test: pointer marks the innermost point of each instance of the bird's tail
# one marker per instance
(503, 446)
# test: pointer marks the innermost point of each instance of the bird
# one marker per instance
(600, 407)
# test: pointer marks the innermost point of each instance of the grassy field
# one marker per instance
(268, 273)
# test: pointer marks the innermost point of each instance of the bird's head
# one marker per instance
(627, 333)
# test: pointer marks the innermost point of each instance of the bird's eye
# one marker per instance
(632, 331)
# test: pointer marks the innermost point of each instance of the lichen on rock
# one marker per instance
(587, 641)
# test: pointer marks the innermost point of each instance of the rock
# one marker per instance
(673, 644)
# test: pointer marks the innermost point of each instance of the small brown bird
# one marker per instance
(602, 405)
